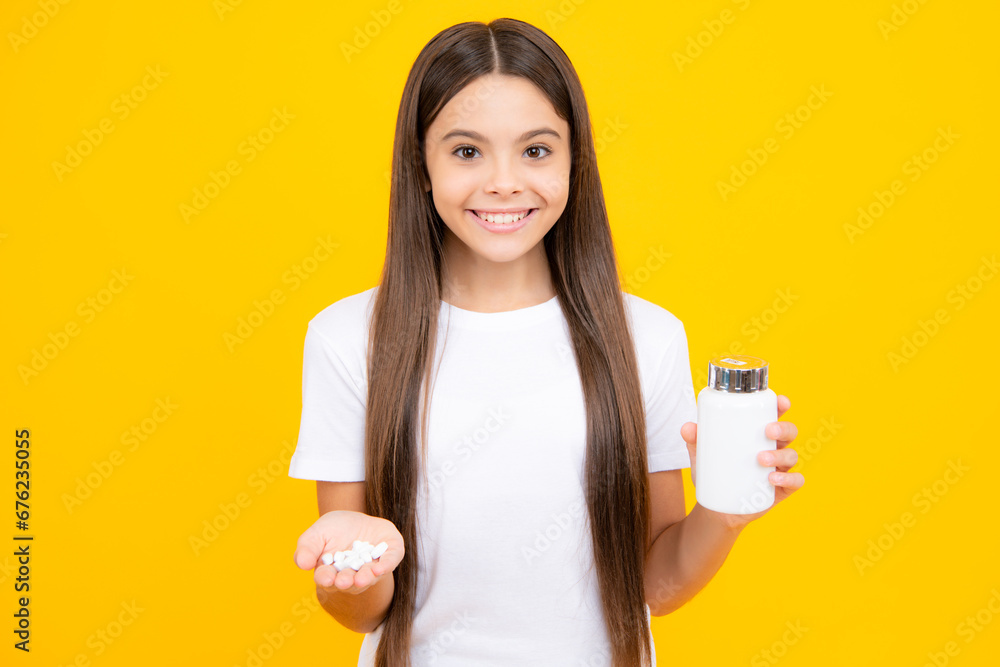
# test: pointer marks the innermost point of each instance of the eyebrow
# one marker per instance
(475, 136)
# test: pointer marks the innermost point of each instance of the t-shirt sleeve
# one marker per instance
(670, 404)
(331, 439)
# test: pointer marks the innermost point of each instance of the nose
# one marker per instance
(505, 177)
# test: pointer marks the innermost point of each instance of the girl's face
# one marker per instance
(498, 147)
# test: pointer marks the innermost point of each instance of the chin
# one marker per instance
(498, 255)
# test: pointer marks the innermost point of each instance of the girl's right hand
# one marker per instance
(336, 531)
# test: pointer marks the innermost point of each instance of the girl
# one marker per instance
(497, 410)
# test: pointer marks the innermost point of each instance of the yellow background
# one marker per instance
(873, 433)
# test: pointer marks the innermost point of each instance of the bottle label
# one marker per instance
(739, 362)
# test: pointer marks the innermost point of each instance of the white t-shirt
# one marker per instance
(506, 574)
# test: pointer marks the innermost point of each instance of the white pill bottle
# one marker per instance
(733, 411)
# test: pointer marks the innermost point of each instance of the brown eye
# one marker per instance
(538, 148)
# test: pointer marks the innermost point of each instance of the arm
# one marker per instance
(684, 552)
(357, 611)
(684, 558)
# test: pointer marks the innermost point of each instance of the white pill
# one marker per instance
(379, 549)
(366, 547)
(340, 566)
(366, 557)
(338, 556)
(356, 545)
(355, 563)
(327, 558)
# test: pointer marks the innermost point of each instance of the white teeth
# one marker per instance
(503, 219)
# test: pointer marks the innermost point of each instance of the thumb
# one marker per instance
(308, 549)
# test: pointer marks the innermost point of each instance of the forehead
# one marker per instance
(497, 106)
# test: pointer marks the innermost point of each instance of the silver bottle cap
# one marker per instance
(738, 374)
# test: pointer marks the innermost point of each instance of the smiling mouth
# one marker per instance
(505, 218)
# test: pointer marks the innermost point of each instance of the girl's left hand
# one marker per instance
(783, 458)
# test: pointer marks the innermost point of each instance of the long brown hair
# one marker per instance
(585, 274)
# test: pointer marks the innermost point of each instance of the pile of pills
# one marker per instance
(359, 554)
